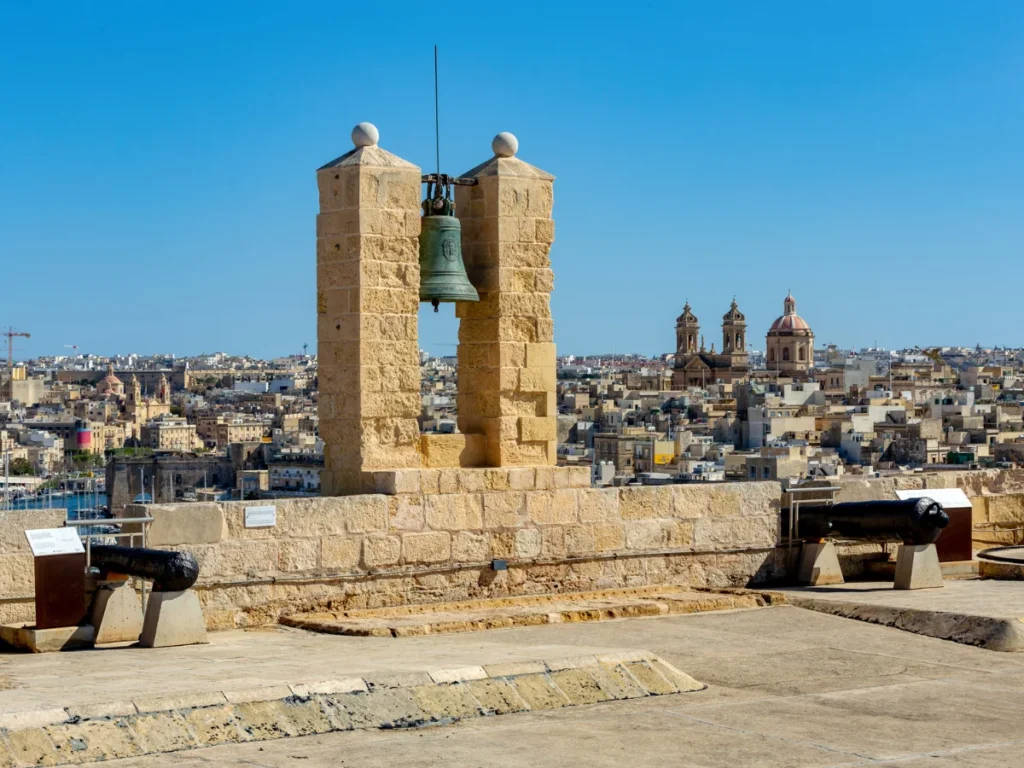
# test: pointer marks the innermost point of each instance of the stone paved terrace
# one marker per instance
(239, 660)
(787, 687)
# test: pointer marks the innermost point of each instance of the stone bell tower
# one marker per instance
(687, 329)
(368, 295)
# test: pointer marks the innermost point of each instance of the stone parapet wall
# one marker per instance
(432, 536)
(381, 550)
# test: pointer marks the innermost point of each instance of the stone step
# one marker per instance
(389, 700)
(505, 613)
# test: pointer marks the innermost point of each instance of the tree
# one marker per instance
(22, 467)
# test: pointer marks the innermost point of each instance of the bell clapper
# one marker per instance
(435, 304)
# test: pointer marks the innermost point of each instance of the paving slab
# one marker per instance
(984, 612)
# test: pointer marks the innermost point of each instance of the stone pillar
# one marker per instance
(506, 354)
(368, 279)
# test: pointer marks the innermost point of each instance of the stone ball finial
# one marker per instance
(505, 144)
(365, 135)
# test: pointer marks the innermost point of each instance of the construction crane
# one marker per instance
(10, 333)
(934, 354)
(71, 346)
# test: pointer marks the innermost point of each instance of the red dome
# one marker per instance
(790, 320)
(790, 323)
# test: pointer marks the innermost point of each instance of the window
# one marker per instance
(765, 473)
(800, 353)
(785, 353)
(771, 354)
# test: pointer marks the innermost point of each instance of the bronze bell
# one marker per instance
(442, 273)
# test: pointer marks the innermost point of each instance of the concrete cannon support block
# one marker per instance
(173, 618)
(117, 614)
(917, 567)
(819, 564)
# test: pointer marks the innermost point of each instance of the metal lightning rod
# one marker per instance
(437, 129)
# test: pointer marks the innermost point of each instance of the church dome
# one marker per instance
(789, 321)
(110, 382)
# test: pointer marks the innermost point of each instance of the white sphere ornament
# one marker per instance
(365, 135)
(505, 144)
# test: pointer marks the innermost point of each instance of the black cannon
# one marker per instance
(169, 571)
(912, 521)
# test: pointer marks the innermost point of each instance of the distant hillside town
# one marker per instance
(107, 431)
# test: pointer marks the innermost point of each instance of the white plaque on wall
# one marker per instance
(54, 541)
(261, 517)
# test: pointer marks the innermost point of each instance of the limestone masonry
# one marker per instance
(367, 301)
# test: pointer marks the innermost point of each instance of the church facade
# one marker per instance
(790, 348)
(696, 366)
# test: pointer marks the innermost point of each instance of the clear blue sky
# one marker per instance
(157, 186)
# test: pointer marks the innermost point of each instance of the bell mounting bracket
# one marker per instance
(446, 181)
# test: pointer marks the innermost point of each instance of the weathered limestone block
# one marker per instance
(609, 537)
(579, 539)
(598, 505)
(340, 553)
(298, 555)
(257, 557)
(17, 575)
(1005, 509)
(366, 513)
(407, 513)
(645, 502)
(458, 450)
(433, 547)
(553, 507)
(727, 532)
(468, 547)
(527, 543)
(503, 544)
(647, 534)
(454, 512)
(380, 551)
(504, 509)
(552, 541)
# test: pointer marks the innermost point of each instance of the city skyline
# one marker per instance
(862, 159)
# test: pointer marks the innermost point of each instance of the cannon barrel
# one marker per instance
(169, 571)
(913, 521)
